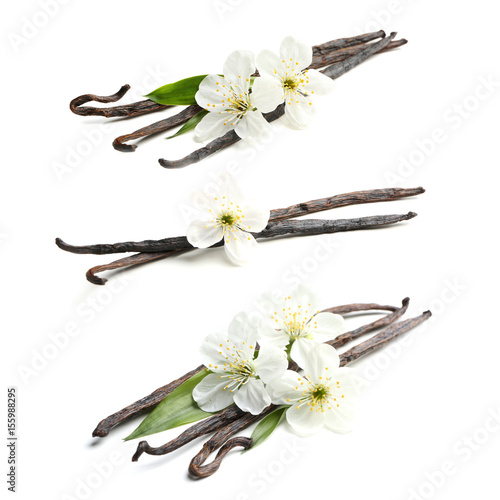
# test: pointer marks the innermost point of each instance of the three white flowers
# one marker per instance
(253, 379)
(235, 103)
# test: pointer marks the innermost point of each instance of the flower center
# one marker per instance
(295, 320)
(227, 218)
(321, 396)
(290, 83)
(239, 102)
(239, 367)
(320, 393)
(295, 326)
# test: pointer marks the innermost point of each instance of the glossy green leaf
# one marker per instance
(190, 124)
(267, 426)
(178, 408)
(177, 93)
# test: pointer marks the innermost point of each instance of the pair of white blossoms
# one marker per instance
(323, 396)
(237, 99)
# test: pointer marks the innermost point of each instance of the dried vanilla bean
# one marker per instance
(127, 110)
(279, 228)
(150, 249)
(323, 55)
(161, 126)
(286, 227)
(149, 402)
(341, 54)
(385, 336)
(344, 200)
(198, 470)
(344, 338)
(148, 106)
(235, 420)
(142, 406)
(334, 71)
(342, 43)
(196, 467)
(210, 424)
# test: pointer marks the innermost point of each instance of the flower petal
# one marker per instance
(239, 247)
(318, 83)
(210, 93)
(286, 389)
(339, 422)
(269, 64)
(256, 216)
(271, 336)
(267, 94)
(212, 126)
(246, 330)
(238, 67)
(253, 127)
(211, 351)
(305, 420)
(210, 394)
(341, 417)
(252, 397)
(304, 299)
(203, 234)
(299, 111)
(325, 326)
(271, 363)
(296, 54)
(321, 361)
(300, 350)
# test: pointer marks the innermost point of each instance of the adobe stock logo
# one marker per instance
(89, 482)
(463, 450)
(223, 7)
(31, 26)
(452, 119)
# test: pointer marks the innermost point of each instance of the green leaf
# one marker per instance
(178, 408)
(267, 426)
(178, 93)
(190, 124)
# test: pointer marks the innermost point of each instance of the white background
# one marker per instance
(430, 400)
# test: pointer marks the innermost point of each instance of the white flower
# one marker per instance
(322, 397)
(230, 216)
(237, 375)
(286, 79)
(228, 100)
(296, 321)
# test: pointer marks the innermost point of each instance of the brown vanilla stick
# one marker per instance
(148, 106)
(342, 43)
(149, 402)
(128, 110)
(206, 426)
(363, 330)
(344, 200)
(273, 229)
(334, 71)
(197, 469)
(323, 55)
(381, 339)
(234, 419)
(280, 214)
(155, 128)
(293, 211)
(328, 227)
(142, 405)
(341, 54)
